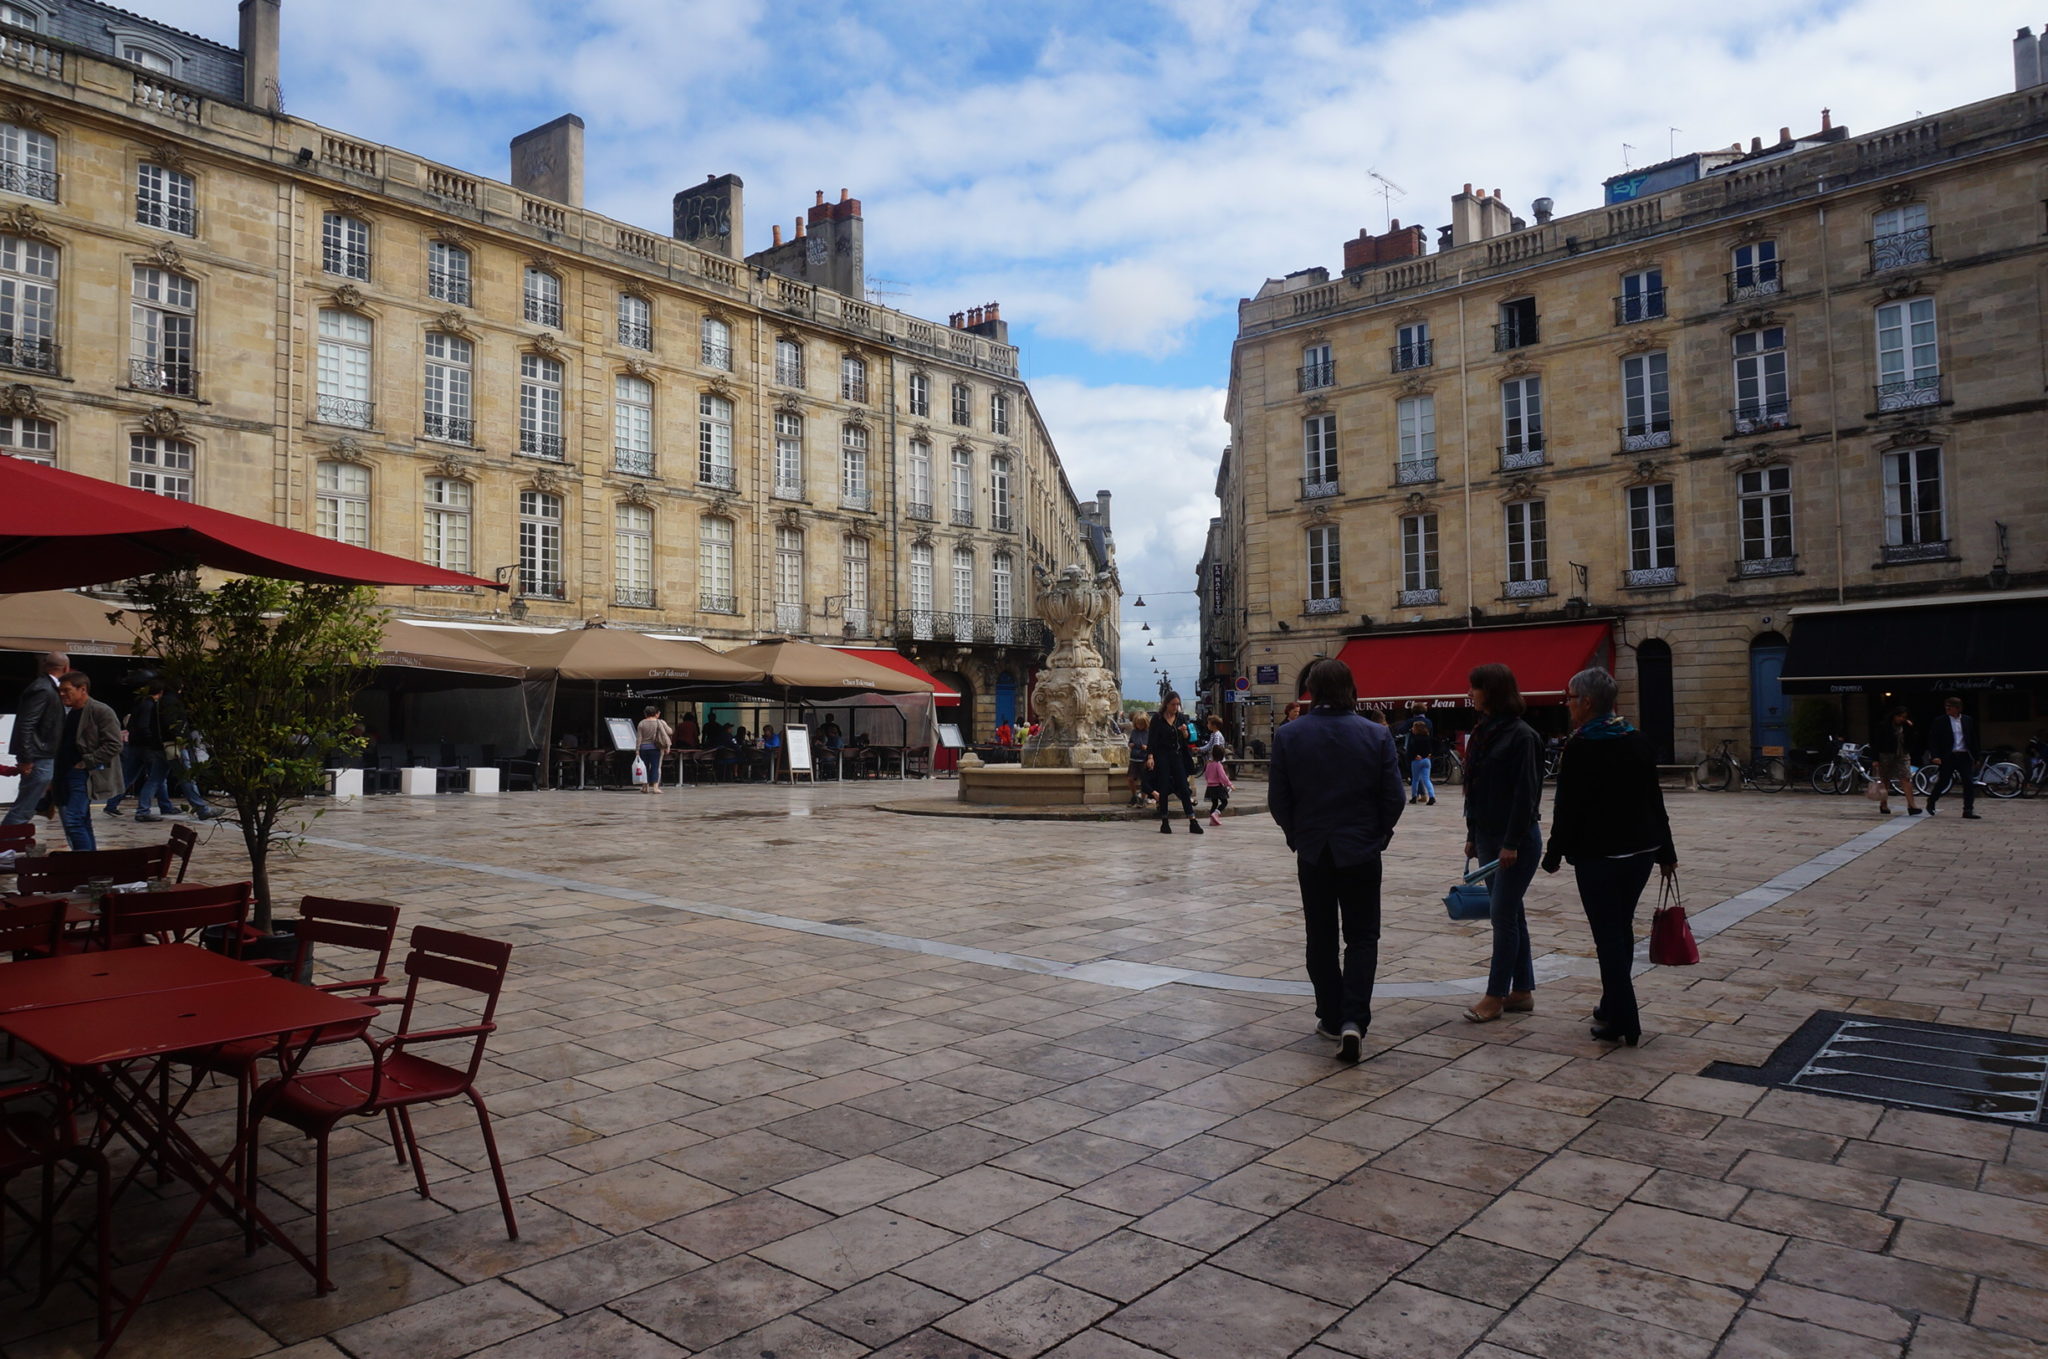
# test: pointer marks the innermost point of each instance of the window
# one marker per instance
(1412, 348)
(1528, 549)
(540, 545)
(963, 581)
(714, 442)
(1756, 271)
(1908, 358)
(28, 162)
(1521, 422)
(28, 305)
(633, 556)
(341, 503)
(963, 486)
(445, 411)
(1415, 423)
(447, 273)
(789, 455)
(1316, 368)
(542, 294)
(1761, 400)
(1002, 580)
(714, 566)
(853, 378)
(1914, 524)
(342, 370)
(920, 394)
(633, 425)
(446, 524)
(1900, 236)
(998, 413)
(1764, 502)
(164, 199)
(854, 573)
(963, 404)
(1645, 402)
(19, 16)
(161, 466)
(1421, 581)
(921, 590)
(789, 363)
(1642, 297)
(1325, 570)
(999, 494)
(344, 245)
(163, 317)
(1319, 456)
(854, 492)
(540, 407)
(1652, 536)
(148, 58)
(920, 504)
(714, 343)
(789, 580)
(636, 322)
(30, 439)
(1517, 326)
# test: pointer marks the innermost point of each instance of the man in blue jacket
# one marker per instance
(1336, 792)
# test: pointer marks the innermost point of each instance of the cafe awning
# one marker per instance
(897, 661)
(58, 620)
(824, 669)
(1974, 642)
(1426, 667)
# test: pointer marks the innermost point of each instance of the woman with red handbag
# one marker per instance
(1607, 817)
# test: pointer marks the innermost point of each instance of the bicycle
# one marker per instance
(1718, 772)
(1843, 772)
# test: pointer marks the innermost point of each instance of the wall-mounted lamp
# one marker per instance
(305, 156)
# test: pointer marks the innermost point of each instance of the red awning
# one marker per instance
(902, 665)
(1432, 667)
(59, 529)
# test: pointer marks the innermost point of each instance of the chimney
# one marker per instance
(776, 233)
(1784, 136)
(709, 216)
(1826, 123)
(799, 229)
(1467, 223)
(260, 27)
(548, 161)
(1102, 507)
(1495, 218)
(1543, 207)
(2026, 54)
(821, 211)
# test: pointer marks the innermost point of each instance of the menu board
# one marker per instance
(797, 741)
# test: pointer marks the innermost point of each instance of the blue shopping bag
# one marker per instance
(1471, 898)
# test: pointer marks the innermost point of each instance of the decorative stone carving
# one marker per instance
(545, 480)
(1319, 513)
(1076, 697)
(32, 115)
(922, 538)
(1517, 364)
(455, 236)
(1416, 385)
(721, 387)
(164, 423)
(1642, 342)
(962, 446)
(1316, 336)
(21, 399)
(1892, 195)
(787, 334)
(856, 419)
(1761, 456)
(790, 517)
(638, 368)
(638, 494)
(1418, 503)
(546, 345)
(1750, 232)
(25, 221)
(1409, 316)
(1316, 405)
(1755, 320)
(167, 256)
(1007, 450)
(1519, 488)
(453, 323)
(1908, 286)
(632, 288)
(1646, 470)
(787, 404)
(719, 506)
(921, 432)
(351, 206)
(167, 154)
(348, 448)
(1640, 260)
(1912, 437)
(451, 467)
(350, 296)
(968, 541)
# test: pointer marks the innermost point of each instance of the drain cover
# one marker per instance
(1977, 1073)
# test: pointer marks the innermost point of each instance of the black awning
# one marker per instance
(1974, 646)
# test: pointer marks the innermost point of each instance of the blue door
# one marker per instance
(1006, 699)
(1770, 722)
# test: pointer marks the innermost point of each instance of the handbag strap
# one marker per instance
(1667, 893)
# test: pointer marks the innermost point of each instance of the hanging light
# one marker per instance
(1140, 604)
(1146, 628)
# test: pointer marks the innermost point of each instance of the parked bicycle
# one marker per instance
(1846, 771)
(1718, 772)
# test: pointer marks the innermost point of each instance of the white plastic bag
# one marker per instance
(639, 772)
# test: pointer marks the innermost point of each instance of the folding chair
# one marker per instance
(179, 851)
(31, 1140)
(32, 927)
(176, 915)
(63, 872)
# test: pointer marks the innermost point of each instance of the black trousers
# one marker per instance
(1954, 766)
(1167, 784)
(1341, 904)
(1609, 890)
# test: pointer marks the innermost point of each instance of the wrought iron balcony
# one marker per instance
(445, 285)
(1901, 249)
(453, 429)
(1421, 354)
(346, 263)
(856, 622)
(29, 182)
(535, 444)
(853, 389)
(636, 334)
(1514, 334)
(1750, 567)
(715, 476)
(173, 217)
(918, 509)
(1326, 604)
(1896, 554)
(962, 518)
(926, 625)
(1415, 471)
(716, 356)
(172, 379)
(1758, 280)
(541, 311)
(634, 462)
(1321, 488)
(542, 587)
(32, 352)
(1911, 392)
(1645, 435)
(341, 410)
(1313, 375)
(791, 617)
(962, 416)
(1536, 587)
(789, 374)
(1415, 599)
(1002, 523)
(711, 603)
(1762, 416)
(788, 488)
(1631, 308)
(1650, 578)
(633, 599)
(1519, 454)
(856, 498)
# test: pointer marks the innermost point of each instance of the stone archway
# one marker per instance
(958, 711)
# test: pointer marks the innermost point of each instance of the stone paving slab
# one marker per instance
(780, 1072)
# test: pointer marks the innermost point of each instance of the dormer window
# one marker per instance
(19, 16)
(145, 50)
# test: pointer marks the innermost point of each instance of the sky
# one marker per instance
(1118, 175)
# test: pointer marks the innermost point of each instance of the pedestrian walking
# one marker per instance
(654, 737)
(184, 752)
(1336, 791)
(1894, 750)
(1503, 801)
(38, 722)
(1166, 763)
(1421, 747)
(1141, 783)
(1216, 778)
(1953, 745)
(88, 758)
(1607, 817)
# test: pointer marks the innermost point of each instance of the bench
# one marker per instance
(1678, 776)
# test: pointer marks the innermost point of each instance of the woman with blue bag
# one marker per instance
(1503, 801)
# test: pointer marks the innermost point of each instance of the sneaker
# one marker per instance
(141, 817)
(1913, 811)
(111, 810)
(209, 813)
(1348, 1042)
(1971, 816)
(1432, 802)
(1215, 820)
(1325, 1031)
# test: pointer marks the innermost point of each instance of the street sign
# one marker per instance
(1269, 674)
(1243, 683)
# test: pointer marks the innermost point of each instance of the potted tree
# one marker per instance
(269, 671)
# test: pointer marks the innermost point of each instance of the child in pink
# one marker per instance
(1217, 778)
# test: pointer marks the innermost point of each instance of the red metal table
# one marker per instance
(76, 978)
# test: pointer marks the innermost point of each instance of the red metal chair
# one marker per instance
(31, 1140)
(395, 1079)
(18, 836)
(62, 872)
(176, 915)
(31, 927)
(179, 851)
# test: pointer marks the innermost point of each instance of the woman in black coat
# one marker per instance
(1503, 809)
(1608, 819)
(1168, 765)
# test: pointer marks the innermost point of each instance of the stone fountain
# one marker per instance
(1078, 750)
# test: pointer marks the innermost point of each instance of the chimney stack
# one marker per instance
(261, 23)
(548, 161)
(710, 216)
(2029, 57)
(776, 232)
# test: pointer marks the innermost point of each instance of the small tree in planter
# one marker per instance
(268, 671)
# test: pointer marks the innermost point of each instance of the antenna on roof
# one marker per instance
(1674, 141)
(1389, 190)
(896, 287)
(1625, 163)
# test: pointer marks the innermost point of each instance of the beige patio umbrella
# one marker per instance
(601, 653)
(457, 651)
(59, 620)
(805, 665)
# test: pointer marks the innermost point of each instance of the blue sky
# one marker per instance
(1118, 175)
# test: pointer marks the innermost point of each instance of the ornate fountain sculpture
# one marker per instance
(1076, 698)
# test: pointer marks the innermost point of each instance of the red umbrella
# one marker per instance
(59, 530)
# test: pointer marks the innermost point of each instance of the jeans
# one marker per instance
(74, 805)
(651, 757)
(1419, 779)
(1609, 890)
(156, 773)
(29, 795)
(1512, 969)
(188, 788)
(1341, 901)
(1955, 767)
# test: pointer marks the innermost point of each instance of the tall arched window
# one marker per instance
(854, 492)
(445, 519)
(789, 579)
(448, 273)
(446, 411)
(789, 455)
(163, 324)
(540, 545)
(28, 162)
(341, 502)
(342, 376)
(161, 466)
(714, 341)
(714, 565)
(999, 494)
(541, 297)
(540, 407)
(921, 591)
(714, 442)
(963, 581)
(633, 425)
(855, 582)
(1001, 596)
(633, 556)
(919, 504)
(789, 363)
(344, 245)
(28, 304)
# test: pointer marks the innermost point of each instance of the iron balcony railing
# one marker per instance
(789, 374)
(173, 379)
(716, 476)
(1525, 452)
(1645, 435)
(342, 410)
(535, 444)
(1534, 587)
(1414, 471)
(716, 356)
(918, 509)
(1630, 308)
(1313, 375)
(445, 285)
(790, 617)
(172, 217)
(540, 311)
(856, 498)
(29, 182)
(453, 429)
(634, 462)
(1515, 334)
(715, 603)
(788, 488)
(1758, 280)
(1931, 551)
(33, 352)
(1767, 566)
(1649, 577)
(633, 599)
(962, 518)
(1421, 354)
(1002, 523)
(925, 625)
(1323, 604)
(1907, 393)
(1760, 416)
(1321, 487)
(1415, 599)
(346, 263)
(636, 335)
(543, 587)
(853, 389)
(1901, 249)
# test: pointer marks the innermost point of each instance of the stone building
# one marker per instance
(1758, 395)
(210, 299)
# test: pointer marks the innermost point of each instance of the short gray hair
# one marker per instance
(1596, 686)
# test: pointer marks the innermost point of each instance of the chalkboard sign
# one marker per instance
(950, 737)
(621, 729)
(797, 741)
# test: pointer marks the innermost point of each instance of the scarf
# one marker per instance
(1607, 727)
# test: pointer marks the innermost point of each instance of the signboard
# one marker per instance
(1269, 674)
(621, 729)
(950, 737)
(796, 741)
(1242, 683)
(1233, 696)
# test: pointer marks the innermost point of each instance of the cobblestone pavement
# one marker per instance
(780, 1073)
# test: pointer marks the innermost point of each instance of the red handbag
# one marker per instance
(1671, 941)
